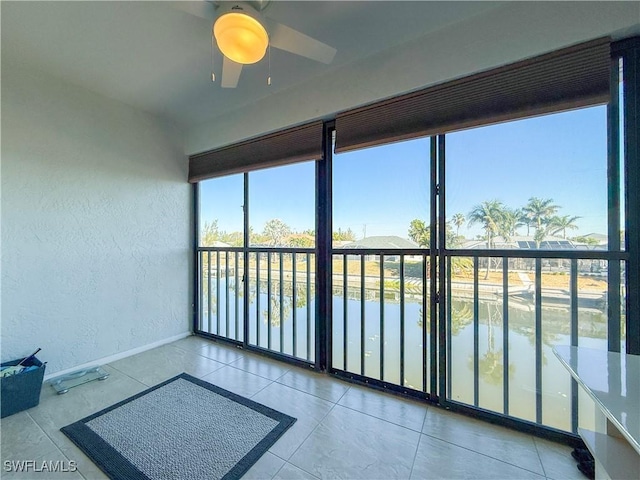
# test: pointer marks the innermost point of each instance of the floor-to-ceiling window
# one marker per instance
(220, 257)
(456, 259)
(381, 264)
(256, 259)
(536, 190)
(281, 259)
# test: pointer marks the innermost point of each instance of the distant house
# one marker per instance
(381, 242)
(549, 243)
(385, 242)
(219, 244)
(524, 242)
(603, 241)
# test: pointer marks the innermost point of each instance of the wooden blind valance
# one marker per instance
(288, 146)
(573, 77)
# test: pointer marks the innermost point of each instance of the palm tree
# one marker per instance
(558, 224)
(520, 221)
(420, 232)
(490, 215)
(524, 220)
(458, 220)
(539, 211)
(511, 220)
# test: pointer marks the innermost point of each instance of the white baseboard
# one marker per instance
(118, 356)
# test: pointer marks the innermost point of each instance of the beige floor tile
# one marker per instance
(237, 381)
(557, 460)
(438, 459)
(23, 439)
(406, 413)
(217, 351)
(86, 467)
(221, 353)
(286, 445)
(349, 444)
(54, 465)
(293, 402)
(261, 366)
(291, 472)
(162, 363)
(306, 408)
(265, 468)
(314, 383)
(500, 443)
(192, 343)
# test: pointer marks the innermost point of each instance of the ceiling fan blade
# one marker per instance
(230, 73)
(202, 9)
(290, 40)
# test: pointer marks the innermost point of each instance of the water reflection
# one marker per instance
(556, 328)
(491, 363)
(384, 338)
(281, 306)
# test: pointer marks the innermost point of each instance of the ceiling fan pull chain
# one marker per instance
(269, 54)
(213, 75)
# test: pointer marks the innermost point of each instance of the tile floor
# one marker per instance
(343, 430)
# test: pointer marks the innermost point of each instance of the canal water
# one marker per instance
(556, 383)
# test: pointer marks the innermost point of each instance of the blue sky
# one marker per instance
(380, 190)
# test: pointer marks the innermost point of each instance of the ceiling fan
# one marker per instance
(243, 34)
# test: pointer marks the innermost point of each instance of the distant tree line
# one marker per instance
(275, 233)
(499, 220)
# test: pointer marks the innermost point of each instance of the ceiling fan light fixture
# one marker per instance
(240, 37)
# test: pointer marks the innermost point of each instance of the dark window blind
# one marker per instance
(570, 78)
(288, 146)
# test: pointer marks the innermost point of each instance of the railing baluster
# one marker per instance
(424, 323)
(448, 330)
(538, 333)
(269, 300)
(402, 347)
(308, 306)
(345, 280)
(209, 293)
(226, 293)
(574, 340)
(258, 298)
(614, 312)
(294, 260)
(362, 315)
(201, 292)
(237, 274)
(476, 332)
(505, 335)
(217, 292)
(381, 316)
(281, 303)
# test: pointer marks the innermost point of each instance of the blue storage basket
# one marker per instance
(21, 391)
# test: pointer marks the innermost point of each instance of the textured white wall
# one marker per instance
(95, 224)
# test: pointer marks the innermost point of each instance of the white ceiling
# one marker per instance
(156, 57)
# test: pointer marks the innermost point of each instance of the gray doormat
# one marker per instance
(183, 428)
